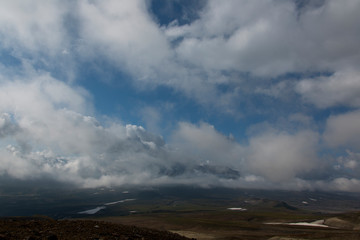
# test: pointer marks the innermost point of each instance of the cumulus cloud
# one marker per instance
(340, 89)
(7, 127)
(126, 34)
(232, 50)
(342, 130)
(270, 38)
(66, 144)
(207, 145)
(339, 184)
(202, 148)
(51, 135)
(282, 156)
(266, 39)
(349, 162)
(35, 27)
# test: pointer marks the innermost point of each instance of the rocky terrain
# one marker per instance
(49, 229)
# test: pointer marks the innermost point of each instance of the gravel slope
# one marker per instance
(42, 228)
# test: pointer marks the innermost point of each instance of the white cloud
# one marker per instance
(55, 139)
(283, 156)
(351, 161)
(49, 126)
(265, 39)
(33, 27)
(271, 38)
(50, 135)
(206, 145)
(343, 130)
(234, 32)
(340, 184)
(124, 33)
(7, 127)
(342, 88)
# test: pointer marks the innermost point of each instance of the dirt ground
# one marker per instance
(48, 229)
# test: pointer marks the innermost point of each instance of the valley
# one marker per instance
(199, 213)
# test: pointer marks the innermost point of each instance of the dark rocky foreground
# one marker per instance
(48, 229)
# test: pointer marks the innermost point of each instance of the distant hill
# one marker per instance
(285, 205)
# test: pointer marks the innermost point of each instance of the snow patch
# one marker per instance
(92, 211)
(317, 223)
(121, 201)
(95, 210)
(237, 209)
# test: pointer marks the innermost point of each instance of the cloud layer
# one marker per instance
(294, 65)
(49, 136)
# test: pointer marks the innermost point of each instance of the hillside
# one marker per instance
(204, 214)
(45, 228)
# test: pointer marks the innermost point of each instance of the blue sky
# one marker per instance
(258, 94)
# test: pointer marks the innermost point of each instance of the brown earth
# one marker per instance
(210, 226)
(48, 229)
(339, 223)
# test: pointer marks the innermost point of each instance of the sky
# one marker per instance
(232, 93)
